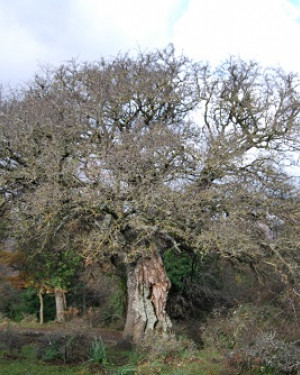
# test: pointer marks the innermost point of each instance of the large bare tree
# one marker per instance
(128, 157)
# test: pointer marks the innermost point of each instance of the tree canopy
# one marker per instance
(119, 160)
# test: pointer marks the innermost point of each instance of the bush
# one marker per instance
(257, 337)
(196, 284)
(10, 340)
(63, 348)
(158, 347)
(227, 329)
(267, 352)
(71, 348)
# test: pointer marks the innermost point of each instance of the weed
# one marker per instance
(97, 352)
(67, 348)
(54, 350)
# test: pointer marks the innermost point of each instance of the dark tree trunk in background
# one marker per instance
(147, 289)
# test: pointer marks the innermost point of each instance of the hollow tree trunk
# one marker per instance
(147, 289)
(60, 305)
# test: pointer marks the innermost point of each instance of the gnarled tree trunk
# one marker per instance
(147, 289)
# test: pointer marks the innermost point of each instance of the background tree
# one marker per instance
(49, 269)
(35, 141)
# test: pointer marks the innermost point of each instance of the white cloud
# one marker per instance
(131, 21)
(34, 31)
(265, 30)
(52, 31)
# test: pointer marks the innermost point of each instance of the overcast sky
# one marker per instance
(35, 32)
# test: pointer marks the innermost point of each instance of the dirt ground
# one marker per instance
(30, 335)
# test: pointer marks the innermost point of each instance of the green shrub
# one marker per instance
(97, 352)
(53, 351)
(196, 284)
(65, 348)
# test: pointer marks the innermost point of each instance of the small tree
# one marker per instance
(47, 271)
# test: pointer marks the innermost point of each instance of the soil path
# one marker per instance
(110, 337)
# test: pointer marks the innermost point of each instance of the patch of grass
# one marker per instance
(206, 362)
(26, 364)
(126, 362)
(187, 361)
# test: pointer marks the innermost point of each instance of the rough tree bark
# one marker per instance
(60, 305)
(147, 289)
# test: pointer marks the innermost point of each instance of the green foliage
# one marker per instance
(196, 284)
(264, 370)
(52, 352)
(17, 304)
(179, 268)
(184, 269)
(67, 348)
(97, 352)
(49, 308)
(63, 268)
(56, 269)
(113, 309)
(21, 303)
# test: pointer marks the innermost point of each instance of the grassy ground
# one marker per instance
(24, 363)
(204, 362)
(172, 356)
